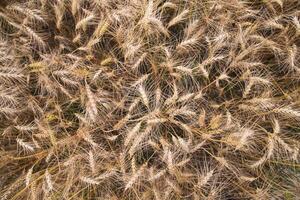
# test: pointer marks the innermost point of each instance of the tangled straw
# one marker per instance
(149, 99)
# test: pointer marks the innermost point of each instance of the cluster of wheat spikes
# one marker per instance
(149, 99)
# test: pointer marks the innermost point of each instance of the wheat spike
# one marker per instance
(26, 146)
(144, 95)
(75, 6)
(48, 181)
(205, 178)
(139, 139)
(89, 180)
(240, 139)
(28, 177)
(132, 133)
(82, 24)
(92, 161)
(59, 10)
(134, 177)
(172, 99)
(91, 106)
(269, 153)
(178, 18)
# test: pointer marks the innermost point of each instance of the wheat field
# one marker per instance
(149, 99)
